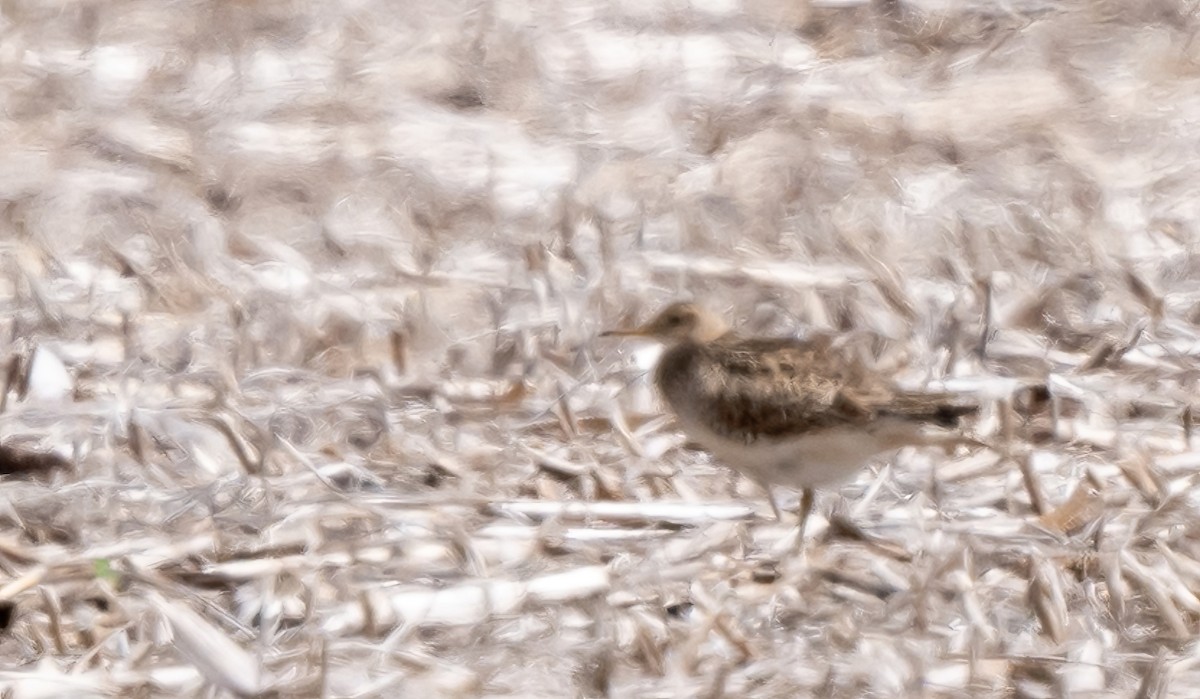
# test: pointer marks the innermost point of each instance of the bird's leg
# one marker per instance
(774, 503)
(808, 498)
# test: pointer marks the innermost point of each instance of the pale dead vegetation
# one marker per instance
(302, 300)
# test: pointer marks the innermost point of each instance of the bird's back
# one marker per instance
(748, 389)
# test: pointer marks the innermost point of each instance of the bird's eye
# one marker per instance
(674, 320)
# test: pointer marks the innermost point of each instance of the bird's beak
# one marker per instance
(626, 332)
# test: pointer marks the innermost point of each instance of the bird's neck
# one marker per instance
(709, 332)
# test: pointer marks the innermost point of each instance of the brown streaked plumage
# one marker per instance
(784, 411)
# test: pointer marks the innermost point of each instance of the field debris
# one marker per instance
(302, 392)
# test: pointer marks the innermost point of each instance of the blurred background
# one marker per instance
(304, 298)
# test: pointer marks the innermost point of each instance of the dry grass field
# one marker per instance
(303, 394)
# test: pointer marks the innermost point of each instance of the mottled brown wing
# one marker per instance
(769, 387)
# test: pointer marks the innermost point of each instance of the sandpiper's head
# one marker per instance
(679, 322)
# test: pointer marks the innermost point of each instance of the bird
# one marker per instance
(783, 411)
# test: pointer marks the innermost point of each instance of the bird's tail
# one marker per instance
(942, 409)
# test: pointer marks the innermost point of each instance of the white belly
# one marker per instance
(817, 459)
